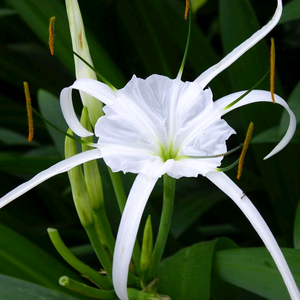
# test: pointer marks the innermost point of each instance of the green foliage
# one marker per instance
(142, 38)
(187, 274)
(16, 289)
(253, 269)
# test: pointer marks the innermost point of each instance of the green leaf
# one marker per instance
(278, 173)
(10, 137)
(6, 12)
(189, 209)
(291, 11)
(39, 12)
(294, 104)
(187, 274)
(16, 289)
(50, 109)
(23, 259)
(297, 228)
(25, 165)
(160, 41)
(270, 135)
(253, 269)
(196, 4)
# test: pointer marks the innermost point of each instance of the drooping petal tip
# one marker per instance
(136, 202)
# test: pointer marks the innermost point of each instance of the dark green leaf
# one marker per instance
(186, 275)
(297, 228)
(51, 111)
(23, 259)
(253, 269)
(291, 11)
(16, 289)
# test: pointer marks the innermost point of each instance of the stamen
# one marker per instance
(244, 150)
(272, 69)
(246, 93)
(51, 35)
(101, 77)
(225, 169)
(64, 133)
(29, 111)
(187, 8)
(212, 156)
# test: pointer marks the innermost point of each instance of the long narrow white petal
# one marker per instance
(230, 58)
(236, 194)
(136, 202)
(259, 96)
(60, 167)
(94, 88)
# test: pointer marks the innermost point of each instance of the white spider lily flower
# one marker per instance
(162, 126)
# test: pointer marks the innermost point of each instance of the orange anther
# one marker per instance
(187, 8)
(51, 35)
(244, 150)
(272, 69)
(29, 111)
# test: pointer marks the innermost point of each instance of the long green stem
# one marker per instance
(86, 290)
(164, 226)
(99, 249)
(72, 260)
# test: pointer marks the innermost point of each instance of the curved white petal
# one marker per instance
(259, 96)
(230, 58)
(94, 88)
(58, 168)
(236, 194)
(136, 202)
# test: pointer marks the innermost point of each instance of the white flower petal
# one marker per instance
(136, 202)
(230, 58)
(58, 168)
(242, 201)
(94, 88)
(260, 96)
(155, 119)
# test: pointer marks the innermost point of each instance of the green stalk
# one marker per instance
(86, 290)
(118, 188)
(83, 206)
(164, 226)
(72, 260)
(94, 185)
(92, 233)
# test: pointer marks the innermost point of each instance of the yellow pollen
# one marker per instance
(80, 40)
(187, 8)
(51, 35)
(244, 150)
(272, 69)
(29, 111)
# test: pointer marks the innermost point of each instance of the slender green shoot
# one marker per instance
(247, 92)
(86, 271)
(186, 48)
(164, 226)
(84, 289)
